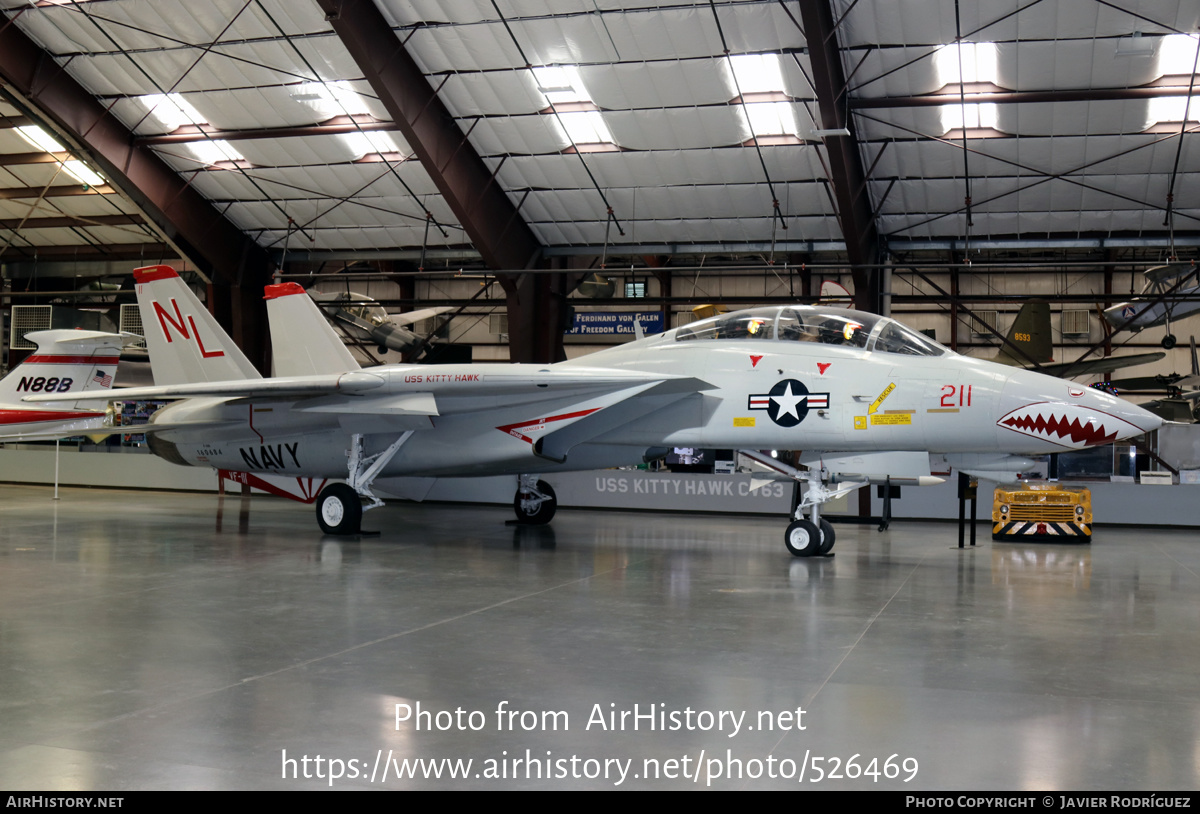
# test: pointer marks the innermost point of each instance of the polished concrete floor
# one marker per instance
(185, 641)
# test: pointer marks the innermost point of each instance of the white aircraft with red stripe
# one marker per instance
(861, 395)
(66, 362)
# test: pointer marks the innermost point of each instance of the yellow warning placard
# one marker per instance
(887, 391)
(890, 419)
(860, 422)
(743, 421)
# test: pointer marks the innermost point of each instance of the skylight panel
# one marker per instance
(1176, 60)
(581, 119)
(214, 151)
(1177, 55)
(967, 63)
(1174, 109)
(760, 95)
(979, 61)
(171, 110)
(771, 119)
(329, 99)
(970, 117)
(366, 143)
(561, 83)
(757, 73)
(586, 127)
(43, 141)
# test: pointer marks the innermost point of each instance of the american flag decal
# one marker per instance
(103, 379)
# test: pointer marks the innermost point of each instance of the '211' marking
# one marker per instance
(959, 396)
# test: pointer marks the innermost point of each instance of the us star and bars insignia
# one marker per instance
(788, 402)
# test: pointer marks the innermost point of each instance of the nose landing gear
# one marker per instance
(535, 502)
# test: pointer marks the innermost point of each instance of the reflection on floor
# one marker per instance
(183, 641)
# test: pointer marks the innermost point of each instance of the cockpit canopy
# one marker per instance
(814, 323)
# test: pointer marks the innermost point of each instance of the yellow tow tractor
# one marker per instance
(1045, 512)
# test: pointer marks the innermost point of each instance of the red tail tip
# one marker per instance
(148, 274)
(282, 290)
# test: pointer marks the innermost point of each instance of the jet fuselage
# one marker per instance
(797, 378)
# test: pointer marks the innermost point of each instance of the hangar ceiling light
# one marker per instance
(40, 139)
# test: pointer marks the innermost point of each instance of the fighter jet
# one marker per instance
(366, 320)
(829, 381)
(1171, 292)
(67, 362)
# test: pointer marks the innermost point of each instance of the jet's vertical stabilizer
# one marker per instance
(1030, 333)
(186, 343)
(66, 361)
(302, 343)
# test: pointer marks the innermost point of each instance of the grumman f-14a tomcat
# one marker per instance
(841, 385)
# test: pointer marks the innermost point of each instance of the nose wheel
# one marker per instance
(535, 502)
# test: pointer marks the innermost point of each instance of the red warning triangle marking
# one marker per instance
(823, 366)
(754, 361)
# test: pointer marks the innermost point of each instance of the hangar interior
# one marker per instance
(520, 164)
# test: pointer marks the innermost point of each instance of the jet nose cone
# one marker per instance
(1141, 418)
(1078, 417)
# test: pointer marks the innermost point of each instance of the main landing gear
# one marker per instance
(535, 502)
(340, 505)
(815, 536)
(339, 509)
(804, 539)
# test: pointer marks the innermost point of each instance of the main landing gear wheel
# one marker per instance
(1168, 341)
(827, 538)
(802, 538)
(533, 509)
(339, 510)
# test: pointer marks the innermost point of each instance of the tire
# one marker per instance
(802, 538)
(544, 513)
(339, 510)
(828, 537)
(1168, 341)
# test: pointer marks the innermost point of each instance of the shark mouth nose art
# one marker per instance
(1068, 425)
